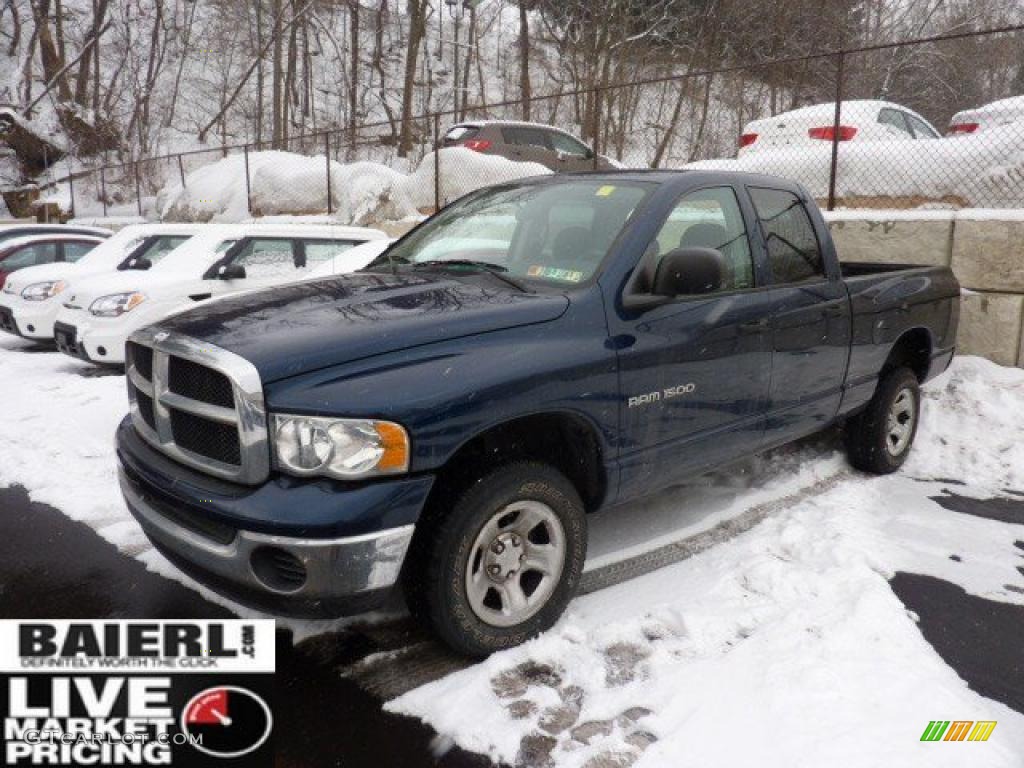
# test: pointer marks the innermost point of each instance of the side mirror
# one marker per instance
(590, 154)
(231, 271)
(689, 272)
(141, 263)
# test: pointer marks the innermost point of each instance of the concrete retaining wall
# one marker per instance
(985, 248)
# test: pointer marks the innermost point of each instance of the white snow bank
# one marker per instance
(978, 170)
(283, 183)
(784, 646)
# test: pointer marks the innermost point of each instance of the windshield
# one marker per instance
(555, 233)
(151, 250)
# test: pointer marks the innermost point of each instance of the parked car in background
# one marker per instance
(101, 311)
(527, 143)
(13, 229)
(31, 297)
(353, 259)
(987, 117)
(447, 418)
(860, 120)
(30, 250)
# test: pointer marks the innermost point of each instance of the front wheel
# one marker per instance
(878, 439)
(503, 563)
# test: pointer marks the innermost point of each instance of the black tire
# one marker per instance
(436, 578)
(869, 443)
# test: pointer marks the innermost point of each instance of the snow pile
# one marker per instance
(462, 172)
(362, 193)
(987, 168)
(788, 634)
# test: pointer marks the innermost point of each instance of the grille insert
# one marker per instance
(208, 438)
(198, 382)
(145, 404)
(142, 358)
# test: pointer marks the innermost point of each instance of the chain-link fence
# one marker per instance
(933, 123)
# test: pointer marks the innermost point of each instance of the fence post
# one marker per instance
(596, 127)
(138, 189)
(248, 188)
(181, 172)
(103, 189)
(833, 168)
(71, 187)
(327, 154)
(437, 162)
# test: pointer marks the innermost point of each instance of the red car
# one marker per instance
(30, 250)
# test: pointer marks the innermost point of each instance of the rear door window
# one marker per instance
(321, 251)
(568, 145)
(30, 256)
(894, 118)
(794, 253)
(267, 257)
(525, 136)
(74, 251)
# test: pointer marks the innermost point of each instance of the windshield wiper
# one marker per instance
(495, 269)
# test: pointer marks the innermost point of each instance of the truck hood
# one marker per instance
(307, 326)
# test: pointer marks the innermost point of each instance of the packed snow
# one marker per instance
(362, 193)
(780, 645)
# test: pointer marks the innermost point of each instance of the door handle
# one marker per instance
(754, 326)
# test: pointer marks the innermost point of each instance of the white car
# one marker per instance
(987, 117)
(103, 310)
(860, 120)
(31, 297)
(351, 260)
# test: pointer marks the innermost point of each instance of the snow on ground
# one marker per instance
(361, 192)
(783, 645)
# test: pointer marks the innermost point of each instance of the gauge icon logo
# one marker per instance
(227, 721)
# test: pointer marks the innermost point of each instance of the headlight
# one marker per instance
(116, 304)
(342, 448)
(43, 291)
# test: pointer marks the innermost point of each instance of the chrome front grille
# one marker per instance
(199, 404)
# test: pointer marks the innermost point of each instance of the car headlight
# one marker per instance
(43, 291)
(346, 449)
(116, 304)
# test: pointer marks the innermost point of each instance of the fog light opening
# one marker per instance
(277, 569)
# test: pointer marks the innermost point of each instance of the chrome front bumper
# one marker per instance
(339, 575)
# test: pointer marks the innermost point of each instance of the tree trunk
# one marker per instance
(276, 75)
(417, 23)
(524, 57)
(353, 90)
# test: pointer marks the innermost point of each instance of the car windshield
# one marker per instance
(554, 233)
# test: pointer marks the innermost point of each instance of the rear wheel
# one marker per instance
(879, 439)
(503, 563)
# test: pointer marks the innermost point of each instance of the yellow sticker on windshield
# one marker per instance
(605, 191)
(553, 273)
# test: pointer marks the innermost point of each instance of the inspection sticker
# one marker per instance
(135, 692)
(606, 191)
(553, 273)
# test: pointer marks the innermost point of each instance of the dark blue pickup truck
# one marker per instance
(446, 418)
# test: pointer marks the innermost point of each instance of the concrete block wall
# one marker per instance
(985, 248)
